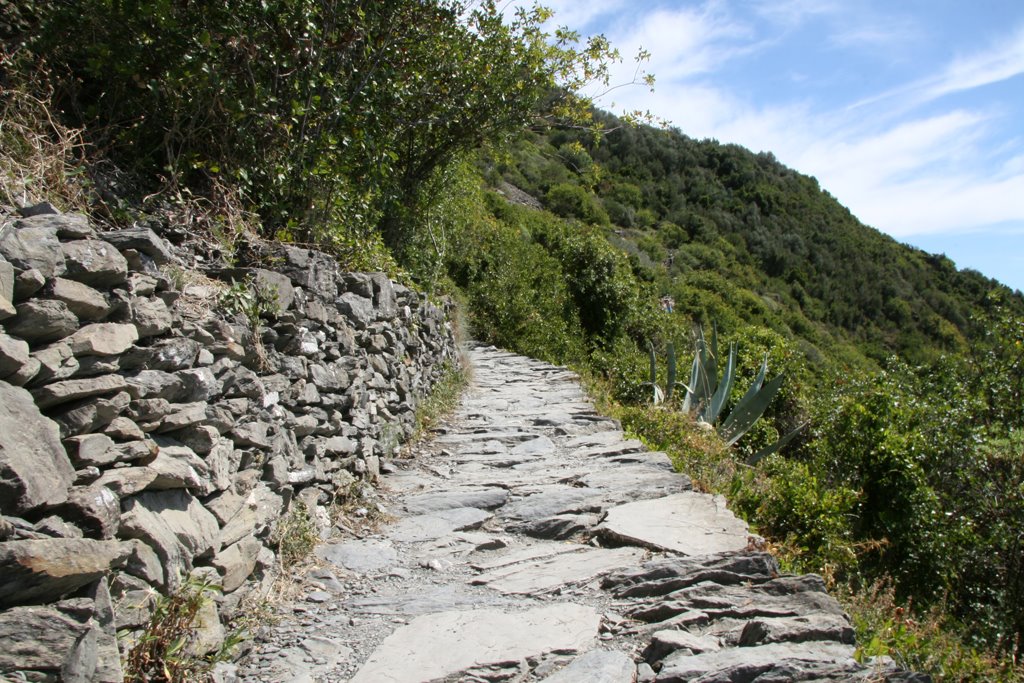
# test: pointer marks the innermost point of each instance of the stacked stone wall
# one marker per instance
(147, 437)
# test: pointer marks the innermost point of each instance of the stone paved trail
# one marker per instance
(533, 541)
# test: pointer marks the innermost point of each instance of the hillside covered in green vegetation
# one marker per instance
(442, 142)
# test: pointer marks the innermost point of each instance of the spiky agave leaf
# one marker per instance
(721, 395)
(670, 384)
(742, 418)
(775, 447)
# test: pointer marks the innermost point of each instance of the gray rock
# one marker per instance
(200, 384)
(34, 467)
(561, 526)
(551, 501)
(151, 316)
(33, 247)
(236, 562)
(42, 320)
(84, 301)
(95, 263)
(261, 507)
(57, 393)
(179, 467)
(384, 296)
(252, 434)
(437, 524)
(689, 523)
(484, 499)
(597, 666)
(174, 524)
(329, 378)
(127, 481)
(14, 355)
(47, 569)
(436, 646)
(786, 660)
(58, 640)
(124, 429)
(173, 354)
(357, 309)
(143, 562)
(142, 240)
(7, 308)
(157, 384)
(665, 642)
(6, 280)
(89, 415)
(56, 362)
(359, 556)
(27, 284)
(549, 573)
(103, 339)
(668, 574)
(95, 509)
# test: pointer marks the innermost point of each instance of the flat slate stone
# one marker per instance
(447, 643)
(437, 524)
(452, 596)
(553, 500)
(484, 499)
(689, 523)
(747, 663)
(597, 666)
(359, 556)
(546, 574)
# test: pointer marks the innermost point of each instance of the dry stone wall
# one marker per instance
(146, 437)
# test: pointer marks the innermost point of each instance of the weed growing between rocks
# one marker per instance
(443, 400)
(295, 535)
(164, 652)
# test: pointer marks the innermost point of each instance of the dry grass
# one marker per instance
(40, 158)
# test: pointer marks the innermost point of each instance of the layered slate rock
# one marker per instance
(688, 523)
(437, 645)
(34, 467)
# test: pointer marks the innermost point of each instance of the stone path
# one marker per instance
(533, 541)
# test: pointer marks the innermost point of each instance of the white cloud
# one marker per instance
(996, 63)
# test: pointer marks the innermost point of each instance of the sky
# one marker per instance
(910, 113)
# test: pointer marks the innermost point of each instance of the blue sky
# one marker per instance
(910, 113)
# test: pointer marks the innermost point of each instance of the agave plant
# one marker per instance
(657, 394)
(707, 394)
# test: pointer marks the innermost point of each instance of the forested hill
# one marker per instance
(737, 236)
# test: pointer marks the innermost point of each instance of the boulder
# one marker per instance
(90, 415)
(236, 562)
(151, 316)
(42, 320)
(56, 362)
(57, 393)
(91, 449)
(94, 509)
(358, 310)
(14, 355)
(44, 570)
(43, 216)
(95, 263)
(144, 241)
(6, 280)
(103, 339)
(34, 467)
(84, 301)
(27, 283)
(33, 247)
(174, 524)
(59, 641)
